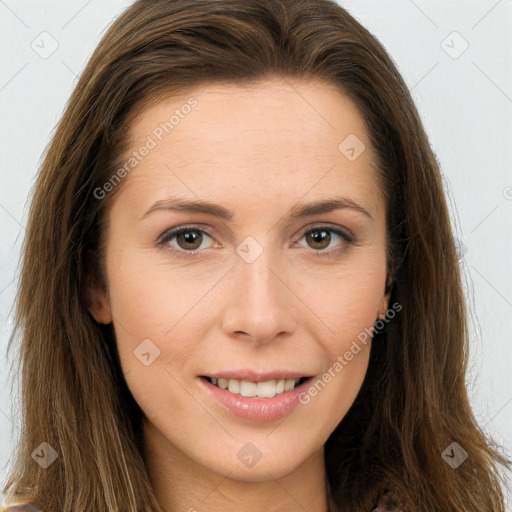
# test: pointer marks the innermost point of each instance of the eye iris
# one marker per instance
(189, 237)
(317, 235)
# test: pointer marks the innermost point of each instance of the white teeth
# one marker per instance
(289, 384)
(267, 389)
(248, 389)
(234, 386)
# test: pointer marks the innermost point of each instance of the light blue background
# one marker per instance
(465, 104)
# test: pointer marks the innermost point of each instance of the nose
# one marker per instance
(261, 304)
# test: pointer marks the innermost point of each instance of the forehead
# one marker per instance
(281, 136)
(302, 111)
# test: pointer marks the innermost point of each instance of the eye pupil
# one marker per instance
(189, 237)
(320, 236)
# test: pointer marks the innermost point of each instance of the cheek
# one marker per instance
(346, 300)
(352, 308)
(155, 314)
(348, 313)
(147, 297)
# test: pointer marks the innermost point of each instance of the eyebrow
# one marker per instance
(298, 211)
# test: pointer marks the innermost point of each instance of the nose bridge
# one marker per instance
(260, 277)
(262, 305)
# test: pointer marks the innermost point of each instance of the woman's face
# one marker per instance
(250, 291)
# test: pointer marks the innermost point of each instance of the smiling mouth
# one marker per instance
(249, 389)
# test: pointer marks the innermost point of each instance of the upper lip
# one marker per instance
(255, 376)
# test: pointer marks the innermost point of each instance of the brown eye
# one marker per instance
(185, 239)
(189, 239)
(319, 238)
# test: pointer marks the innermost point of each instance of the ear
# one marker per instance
(98, 301)
(384, 303)
(383, 307)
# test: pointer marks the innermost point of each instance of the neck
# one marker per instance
(183, 485)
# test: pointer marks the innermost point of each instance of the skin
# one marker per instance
(257, 150)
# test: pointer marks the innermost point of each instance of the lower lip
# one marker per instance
(257, 409)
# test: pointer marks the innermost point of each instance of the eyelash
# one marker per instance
(168, 235)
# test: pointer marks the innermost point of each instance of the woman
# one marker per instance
(240, 288)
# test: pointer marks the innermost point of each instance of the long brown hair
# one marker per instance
(413, 403)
